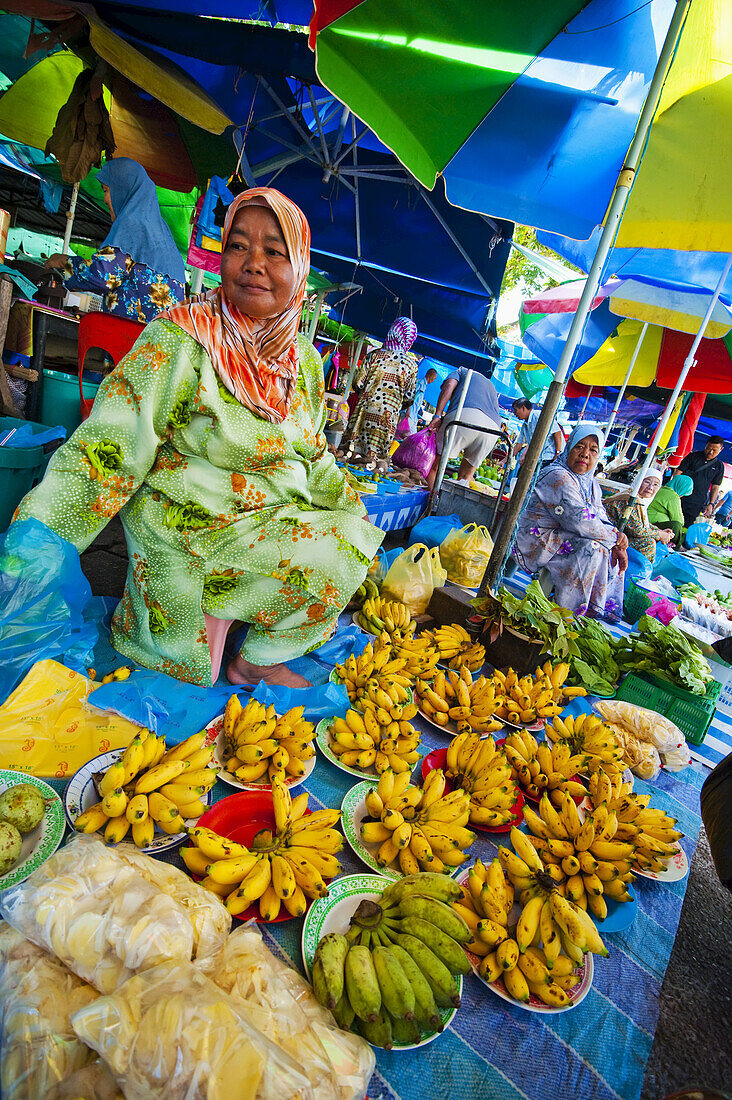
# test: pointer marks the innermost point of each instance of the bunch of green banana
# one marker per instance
(369, 590)
(395, 967)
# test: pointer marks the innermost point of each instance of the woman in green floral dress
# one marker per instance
(207, 439)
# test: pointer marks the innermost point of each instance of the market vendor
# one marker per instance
(208, 438)
(565, 530)
(138, 269)
(480, 411)
(664, 511)
(386, 389)
(706, 470)
(642, 534)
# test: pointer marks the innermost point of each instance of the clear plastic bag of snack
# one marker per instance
(93, 1082)
(38, 1047)
(210, 921)
(169, 1033)
(280, 1002)
(96, 913)
(646, 725)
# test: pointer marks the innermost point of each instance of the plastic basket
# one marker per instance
(635, 603)
(20, 468)
(693, 714)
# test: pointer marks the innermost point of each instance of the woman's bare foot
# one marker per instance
(240, 671)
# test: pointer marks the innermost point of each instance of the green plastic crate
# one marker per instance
(693, 714)
(20, 468)
(636, 603)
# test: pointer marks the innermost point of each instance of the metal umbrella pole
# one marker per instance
(587, 401)
(445, 449)
(626, 380)
(683, 373)
(612, 221)
(70, 218)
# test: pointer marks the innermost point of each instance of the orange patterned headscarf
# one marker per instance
(256, 359)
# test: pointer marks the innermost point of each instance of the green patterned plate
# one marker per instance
(322, 739)
(41, 842)
(353, 813)
(333, 913)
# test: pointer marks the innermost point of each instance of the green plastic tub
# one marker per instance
(60, 398)
(20, 468)
(693, 714)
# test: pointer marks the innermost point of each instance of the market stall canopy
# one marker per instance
(527, 112)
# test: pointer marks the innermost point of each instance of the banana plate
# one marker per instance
(333, 914)
(334, 678)
(450, 730)
(81, 793)
(583, 974)
(677, 867)
(240, 817)
(322, 739)
(438, 759)
(40, 843)
(216, 727)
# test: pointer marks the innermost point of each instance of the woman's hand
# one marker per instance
(621, 542)
(666, 536)
(57, 261)
(619, 552)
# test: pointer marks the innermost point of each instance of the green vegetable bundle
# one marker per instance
(534, 615)
(665, 652)
(595, 667)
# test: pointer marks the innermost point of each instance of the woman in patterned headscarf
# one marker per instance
(389, 377)
(208, 437)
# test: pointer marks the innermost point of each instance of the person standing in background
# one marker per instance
(138, 269)
(706, 470)
(419, 392)
(554, 444)
(480, 410)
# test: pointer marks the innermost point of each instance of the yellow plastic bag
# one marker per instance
(47, 728)
(464, 554)
(413, 577)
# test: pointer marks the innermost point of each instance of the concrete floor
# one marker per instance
(693, 1042)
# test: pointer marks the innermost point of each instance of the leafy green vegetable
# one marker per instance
(595, 668)
(665, 652)
(534, 615)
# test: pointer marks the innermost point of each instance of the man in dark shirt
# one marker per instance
(706, 470)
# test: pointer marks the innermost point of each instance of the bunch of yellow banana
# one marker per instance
(586, 860)
(527, 698)
(456, 695)
(419, 652)
(588, 736)
(379, 614)
(457, 648)
(149, 787)
(542, 766)
(283, 867)
(417, 827)
(376, 739)
(650, 830)
(377, 669)
(259, 745)
(481, 769)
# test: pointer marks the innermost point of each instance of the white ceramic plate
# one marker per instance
(354, 813)
(333, 914)
(450, 730)
(80, 794)
(217, 727)
(677, 868)
(584, 974)
(40, 843)
(322, 741)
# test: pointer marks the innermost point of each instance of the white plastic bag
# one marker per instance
(169, 1033)
(678, 759)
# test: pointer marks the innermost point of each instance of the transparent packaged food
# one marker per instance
(280, 1002)
(169, 1033)
(90, 906)
(38, 1046)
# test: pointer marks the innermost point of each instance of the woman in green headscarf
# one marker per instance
(664, 511)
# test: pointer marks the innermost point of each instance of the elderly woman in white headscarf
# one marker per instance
(642, 535)
(566, 530)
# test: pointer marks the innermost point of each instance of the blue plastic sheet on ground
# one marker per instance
(43, 598)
